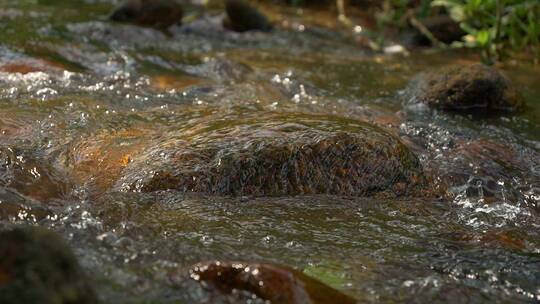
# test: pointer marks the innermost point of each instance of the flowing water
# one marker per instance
(79, 96)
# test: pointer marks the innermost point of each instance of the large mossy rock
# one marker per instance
(274, 155)
(37, 266)
(466, 88)
(152, 13)
(269, 282)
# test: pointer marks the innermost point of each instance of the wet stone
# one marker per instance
(465, 88)
(274, 283)
(37, 266)
(442, 27)
(242, 17)
(97, 160)
(277, 155)
(152, 13)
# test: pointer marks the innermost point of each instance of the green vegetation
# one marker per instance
(497, 27)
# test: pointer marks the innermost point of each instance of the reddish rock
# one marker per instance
(274, 283)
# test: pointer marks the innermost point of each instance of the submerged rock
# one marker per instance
(274, 155)
(242, 17)
(511, 239)
(30, 176)
(473, 87)
(274, 283)
(222, 70)
(97, 160)
(37, 266)
(16, 207)
(153, 13)
(488, 171)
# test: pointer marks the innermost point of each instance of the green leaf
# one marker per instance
(483, 37)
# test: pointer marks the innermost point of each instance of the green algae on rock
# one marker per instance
(274, 283)
(153, 13)
(37, 266)
(242, 17)
(277, 155)
(466, 88)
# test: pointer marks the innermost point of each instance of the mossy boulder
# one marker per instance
(37, 266)
(152, 13)
(269, 282)
(466, 88)
(243, 17)
(277, 154)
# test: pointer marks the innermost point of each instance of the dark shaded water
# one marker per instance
(79, 96)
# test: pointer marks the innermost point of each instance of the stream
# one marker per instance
(89, 108)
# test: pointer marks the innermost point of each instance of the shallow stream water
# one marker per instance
(80, 95)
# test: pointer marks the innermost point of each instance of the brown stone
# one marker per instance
(274, 283)
(276, 155)
(243, 17)
(153, 13)
(466, 88)
(442, 27)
